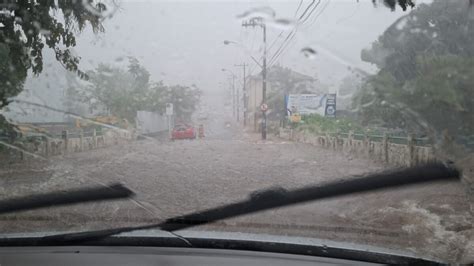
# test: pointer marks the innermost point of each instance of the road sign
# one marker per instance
(330, 110)
(295, 118)
(264, 107)
(306, 104)
(169, 109)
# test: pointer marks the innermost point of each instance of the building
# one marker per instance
(281, 81)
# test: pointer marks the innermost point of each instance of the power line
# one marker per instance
(296, 23)
(273, 60)
(293, 31)
(319, 14)
(281, 33)
(292, 34)
(310, 13)
(298, 8)
(306, 10)
(311, 23)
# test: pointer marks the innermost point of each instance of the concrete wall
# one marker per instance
(46, 146)
(382, 150)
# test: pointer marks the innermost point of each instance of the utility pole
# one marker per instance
(252, 23)
(233, 95)
(244, 91)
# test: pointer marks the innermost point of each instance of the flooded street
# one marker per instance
(176, 177)
(196, 105)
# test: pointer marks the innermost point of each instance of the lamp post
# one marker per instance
(227, 42)
(253, 23)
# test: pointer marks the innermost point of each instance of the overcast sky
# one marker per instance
(182, 42)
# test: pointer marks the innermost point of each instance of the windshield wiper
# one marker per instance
(65, 197)
(279, 197)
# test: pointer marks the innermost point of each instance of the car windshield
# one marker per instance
(196, 104)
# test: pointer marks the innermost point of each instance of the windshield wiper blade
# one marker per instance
(65, 197)
(279, 197)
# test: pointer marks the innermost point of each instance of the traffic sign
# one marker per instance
(330, 110)
(264, 107)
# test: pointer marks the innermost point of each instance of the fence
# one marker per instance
(46, 145)
(394, 150)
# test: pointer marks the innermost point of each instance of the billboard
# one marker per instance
(306, 104)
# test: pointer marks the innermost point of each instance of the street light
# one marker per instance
(227, 42)
(252, 23)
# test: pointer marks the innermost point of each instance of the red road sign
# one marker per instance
(264, 107)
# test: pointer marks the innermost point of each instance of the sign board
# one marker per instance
(330, 108)
(150, 122)
(306, 104)
(169, 109)
(295, 118)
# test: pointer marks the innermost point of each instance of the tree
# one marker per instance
(123, 92)
(425, 60)
(349, 86)
(443, 27)
(31, 26)
(184, 99)
(28, 27)
(112, 90)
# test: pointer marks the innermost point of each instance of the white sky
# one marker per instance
(182, 42)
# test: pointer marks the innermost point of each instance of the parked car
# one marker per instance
(183, 131)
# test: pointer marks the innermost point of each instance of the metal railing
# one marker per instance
(395, 139)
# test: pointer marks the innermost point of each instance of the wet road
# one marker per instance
(172, 178)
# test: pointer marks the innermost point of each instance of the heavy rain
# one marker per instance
(196, 104)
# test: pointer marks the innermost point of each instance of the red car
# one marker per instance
(183, 132)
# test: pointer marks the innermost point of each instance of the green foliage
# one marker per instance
(443, 94)
(28, 27)
(426, 62)
(184, 99)
(443, 27)
(32, 25)
(319, 124)
(11, 81)
(116, 91)
(377, 103)
(122, 93)
(7, 130)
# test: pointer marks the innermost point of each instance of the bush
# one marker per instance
(317, 123)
